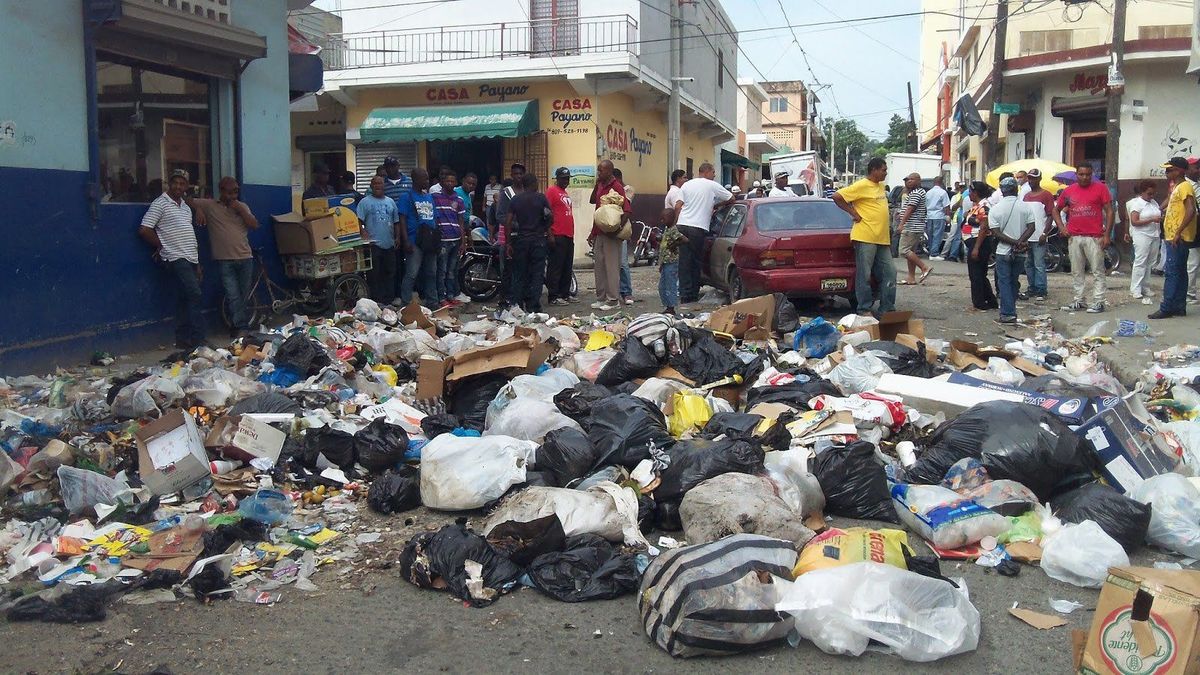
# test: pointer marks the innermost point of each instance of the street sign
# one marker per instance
(1006, 108)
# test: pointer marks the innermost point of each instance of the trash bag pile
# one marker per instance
(712, 461)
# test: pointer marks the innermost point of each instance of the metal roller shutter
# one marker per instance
(368, 157)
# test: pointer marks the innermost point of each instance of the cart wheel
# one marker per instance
(313, 301)
(347, 290)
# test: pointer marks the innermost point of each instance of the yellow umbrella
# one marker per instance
(1049, 170)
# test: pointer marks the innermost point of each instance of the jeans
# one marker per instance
(935, 231)
(447, 270)
(1174, 300)
(955, 247)
(691, 259)
(668, 284)
(381, 278)
(626, 282)
(528, 272)
(1008, 278)
(559, 267)
(189, 316)
(874, 260)
(982, 296)
(1145, 255)
(1086, 252)
(1193, 269)
(419, 270)
(236, 277)
(1035, 269)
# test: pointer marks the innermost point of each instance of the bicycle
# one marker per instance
(312, 297)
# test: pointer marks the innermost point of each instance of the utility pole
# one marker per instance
(673, 130)
(912, 124)
(997, 155)
(833, 147)
(1116, 87)
(807, 119)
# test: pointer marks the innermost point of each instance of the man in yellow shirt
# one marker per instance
(866, 202)
(1179, 231)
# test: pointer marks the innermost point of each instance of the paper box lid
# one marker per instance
(171, 453)
(244, 438)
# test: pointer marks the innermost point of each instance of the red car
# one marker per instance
(798, 246)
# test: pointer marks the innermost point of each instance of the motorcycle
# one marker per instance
(1058, 256)
(645, 248)
(479, 270)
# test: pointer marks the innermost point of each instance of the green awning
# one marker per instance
(735, 159)
(448, 122)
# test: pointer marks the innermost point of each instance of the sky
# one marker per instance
(866, 64)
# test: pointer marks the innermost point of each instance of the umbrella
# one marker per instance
(1047, 168)
(1066, 177)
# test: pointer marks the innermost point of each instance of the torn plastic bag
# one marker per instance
(218, 387)
(689, 413)
(471, 397)
(796, 394)
(1006, 497)
(623, 428)
(732, 425)
(816, 339)
(67, 604)
(587, 365)
(1175, 514)
(1125, 520)
(718, 598)
(844, 609)
(267, 402)
(527, 419)
(337, 447)
(82, 489)
(706, 361)
(734, 503)
(786, 318)
(1014, 441)
(395, 491)
(461, 473)
(854, 483)
(461, 561)
(380, 446)
(543, 386)
(943, 517)
(966, 474)
(1081, 554)
(150, 396)
(302, 354)
(589, 568)
(795, 485)
(523, 542)
(902, 360)
(696, 460)
(632, 362)
(658, 390)
(577, 401)
(858, 373)
(436, 425)
(367, 309)
(566, 456)
(606, 509)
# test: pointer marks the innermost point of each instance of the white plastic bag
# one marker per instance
(454, 343)
(568, 339)
(366, 309)
(82, 489)
(219, 387)
(605, 509)
(734, 503)
(918, 618)
(1081, 554)
(658, 390)
(788, 470)
(943, 517)
(527, 419)
(542, 387)
(1174, 513)
(1003, 372)
(149, 396)
(858, 373)
(461, 473)
(1188, 435)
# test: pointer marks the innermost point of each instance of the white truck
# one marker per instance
(806, 171)
(900, 164)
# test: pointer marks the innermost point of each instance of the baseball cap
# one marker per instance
(735, 189)
(1192, 159)
(1177, 162)
(391, 160)
(562, 172)
(781, 174)
(1034, 173)
(181, 173)
(758, 183)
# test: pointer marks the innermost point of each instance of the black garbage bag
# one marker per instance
(67, 604)
(732, 425)
(854, 482)
(471, 397)
(696, 460)
(633, 361)
(1121, 518)
(436, 425)
(267, 402)
(380, 446)
(647, 510)
(667, 516)
(523, 542)
(576, 402)
(796, 394)
(566, 455)
(1016, 441)
(211, 584)
(589, 569)
(623, 427)
(220, 538)
(902, 360)
(786, 319)
(336, 446)
(777, 437)
(395, 491)
(302, 354)
(705, 360)
(430, 556)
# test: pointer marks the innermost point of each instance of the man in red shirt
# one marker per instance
(1089, 210)
(562, 240)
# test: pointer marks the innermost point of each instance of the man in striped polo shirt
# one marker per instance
(167, 228)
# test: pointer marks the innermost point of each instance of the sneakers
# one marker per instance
(1022, 295)
(628, 300)
(937, 258)
(1096, 309)
(462, 298)
(1039, 299)
(1161, 315)
(1191, 295)
(559, 302)
(1136, 296)
(603, 306)
(1074, 307)
(1006, 320)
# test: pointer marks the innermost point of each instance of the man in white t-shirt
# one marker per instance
(1011, 222)
(678, 178)
(693, 216)
(781, 189)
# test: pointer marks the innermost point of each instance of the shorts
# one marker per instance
(909, 241)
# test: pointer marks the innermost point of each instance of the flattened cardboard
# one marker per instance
(1146, 617)
(171, 453)
(174, 549)
(1037, 619)
(412, 314)
(933, 396)
(739, 317)
(521, 355)
(964, 354)
(1024, 551)
(244, 438)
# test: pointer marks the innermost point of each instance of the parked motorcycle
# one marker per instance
(479, 273)
(645, 247)
(1058, 256)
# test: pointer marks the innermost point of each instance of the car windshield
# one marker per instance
(800, 215)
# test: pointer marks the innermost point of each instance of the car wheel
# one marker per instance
(736, 291)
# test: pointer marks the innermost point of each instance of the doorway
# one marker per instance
(481, 156)
(1086, 143)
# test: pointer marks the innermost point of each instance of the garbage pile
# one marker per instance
(699, 462)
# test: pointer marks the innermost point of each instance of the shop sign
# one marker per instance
(568, 111)
(1092, 84)
(485, 92)
(582, 176)
(620, 143)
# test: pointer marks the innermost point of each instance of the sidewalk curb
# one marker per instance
(1127, 371)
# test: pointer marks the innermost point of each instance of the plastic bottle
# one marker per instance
(221, 467)
(31, 498)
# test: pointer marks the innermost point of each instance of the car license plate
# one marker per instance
(834, 284)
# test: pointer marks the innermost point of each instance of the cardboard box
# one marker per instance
(892, 324)
(244, 438)
(1072, 411)
(1147, 621)
(934, 396)
(516, 354)
(322, 206)
(915, 343)
(341, 208)
(731, 393)
(296, 234)
(964, 354)
(1129, 449)
(739, 317)
(171, 453)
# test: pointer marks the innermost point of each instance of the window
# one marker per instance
(718, 216)
(720, 69)
(733, 224)
(1161, 32)
(779, 104)
(1043, 41)
(152, 121)
(793, 216)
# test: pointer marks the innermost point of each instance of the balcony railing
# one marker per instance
(557, 37)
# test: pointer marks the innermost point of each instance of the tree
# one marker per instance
(898, 137)
(847, 135)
